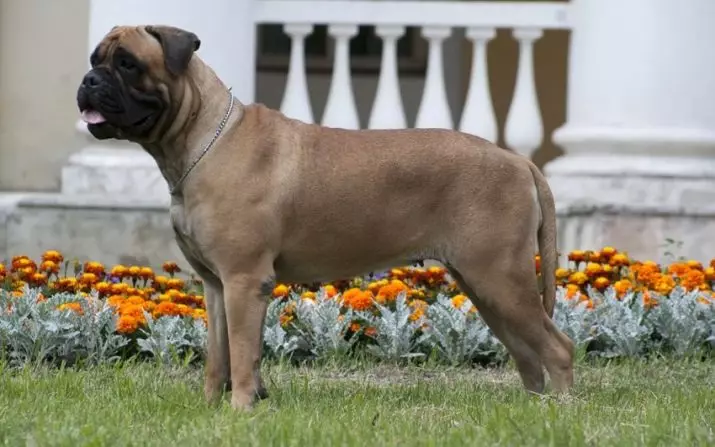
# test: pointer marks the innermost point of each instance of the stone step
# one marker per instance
(109, 229)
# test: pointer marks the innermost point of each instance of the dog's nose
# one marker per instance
(91, 79)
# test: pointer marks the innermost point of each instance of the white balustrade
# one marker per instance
(478, 115)
(524, 129)
(296, 102)
(434, 108)
(340, 109)
(387, 110)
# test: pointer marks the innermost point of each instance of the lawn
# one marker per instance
(632, 402)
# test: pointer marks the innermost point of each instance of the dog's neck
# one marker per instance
(203, 105)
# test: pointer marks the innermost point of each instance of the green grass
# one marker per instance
(633, 403)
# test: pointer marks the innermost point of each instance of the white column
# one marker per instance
(227, 35)
(640, 127)
(434, 109)
(340, 110)
(387, 109)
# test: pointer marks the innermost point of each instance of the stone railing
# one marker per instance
(437, 19)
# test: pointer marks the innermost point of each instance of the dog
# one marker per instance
(258, 197)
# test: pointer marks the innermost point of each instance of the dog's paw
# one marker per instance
(243, 402)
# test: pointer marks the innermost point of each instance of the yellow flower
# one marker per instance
(593, 269)
(562, 273)
(579, 278)
(330, 291)
(175, 283)
(577, 256)
(622, 287)
(119, 271)
(49, 267)
(280, 290)
(134, 271)
(53, 255)
(94, 267)
(73, 306)
(459, 300)
(601, 283)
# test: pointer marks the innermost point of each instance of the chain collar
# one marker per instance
(222, 124)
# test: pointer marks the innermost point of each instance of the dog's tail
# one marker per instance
(546, 239)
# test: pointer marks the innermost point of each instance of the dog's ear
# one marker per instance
(178, 45)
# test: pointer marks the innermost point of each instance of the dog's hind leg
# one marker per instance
(505, 293)
(526, 359)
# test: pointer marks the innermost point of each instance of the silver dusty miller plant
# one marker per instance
(36, 331)
(682, 321)
(396, 333)
(458, 336)
(173, 339)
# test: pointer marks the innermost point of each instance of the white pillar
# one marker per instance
(227, 35)
(640, 130)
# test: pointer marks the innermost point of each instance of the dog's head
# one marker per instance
(128, 92)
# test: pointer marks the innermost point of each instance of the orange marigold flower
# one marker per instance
(127, 324)
(160, 281)
(619, 260)
(601, 283)
(119, 271)
(175, 283)
(102, 287)
(692, 279)
(705, 300)
(622, 287)
(73, 306)
(330, 291)
(572, 291)
(693, 264)
(593, 269)
(308, 295)
(390, 291)
(88, 279)
(149, 306)
(648, 300)
(134, 271)
(664, 284)
(49, 267)
(578, 278)
(94, 267)
(16, 293)
(562, 273)
(134, 299)
(38, 279)
(280, 290)
(119, 288)
(3, 270)
(537, 263)
(595, 256)
(146, 273)
(459, 300)
(53, 255)
(358, 299)
(710, 273)
(678, 268)
(370, 331)
(167, 308)
(419, 308)
(115, 300)
(285, 319)
(67, 284)
(354, 326)
(171, 267)
(397, 273)
(608, 251)
(577, 256)
(375, 286)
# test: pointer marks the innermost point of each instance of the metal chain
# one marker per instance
(221, 125)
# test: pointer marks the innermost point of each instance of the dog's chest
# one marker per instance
(185, 234)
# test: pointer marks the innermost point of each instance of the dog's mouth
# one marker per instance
(91, 116)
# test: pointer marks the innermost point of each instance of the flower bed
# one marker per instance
(58, 310)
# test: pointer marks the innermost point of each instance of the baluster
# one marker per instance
(296, 102)
(524, 130)
(478, 116)
(434, 108)
(340, 110)
(387, 110)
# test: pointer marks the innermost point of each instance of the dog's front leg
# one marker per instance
(246, 302)
(217, 375)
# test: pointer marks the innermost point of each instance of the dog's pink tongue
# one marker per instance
(92, 117)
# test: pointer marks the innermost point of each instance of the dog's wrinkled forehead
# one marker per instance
(133, 40)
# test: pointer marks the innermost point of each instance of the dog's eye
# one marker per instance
(126, 64)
